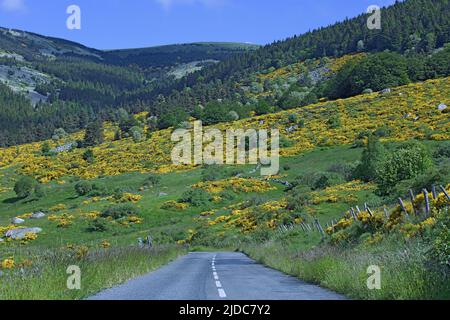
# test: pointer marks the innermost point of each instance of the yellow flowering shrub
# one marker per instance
(8, 263)
(105, 244)
(129, 197)
(174, 205)
(357, 114)
(236, 185)
(134, 220)
(342, 192)
(58, 207)
(91, 215)
(64, 220)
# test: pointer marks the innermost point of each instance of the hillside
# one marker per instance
(87, 179)
(227, 210)
(169, 79)
(67, 84)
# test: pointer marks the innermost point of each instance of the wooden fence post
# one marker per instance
(403, 208)
(445, 192)
(427, 201)
(412, 197)
(319, 227)
(353, 214)
(386, 213)
(433, 190)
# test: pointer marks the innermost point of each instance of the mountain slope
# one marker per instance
(69, 84)
(81, 84)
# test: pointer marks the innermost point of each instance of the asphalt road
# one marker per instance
(216, 276)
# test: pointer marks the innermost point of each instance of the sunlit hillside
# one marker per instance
(402, 113)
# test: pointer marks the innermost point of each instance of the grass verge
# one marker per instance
(46, 277)
(406, 272)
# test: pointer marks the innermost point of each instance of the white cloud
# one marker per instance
(167, 4)
(12, 5)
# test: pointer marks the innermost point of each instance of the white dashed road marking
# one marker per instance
(222, 293)
(220, 290)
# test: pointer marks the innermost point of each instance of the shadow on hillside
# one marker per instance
(17, 199)
(12, 200)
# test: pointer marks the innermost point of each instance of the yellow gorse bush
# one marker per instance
(366, 112)
(174, 205)
(8, 263)
(236, 185)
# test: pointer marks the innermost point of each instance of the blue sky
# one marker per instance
(110, 24)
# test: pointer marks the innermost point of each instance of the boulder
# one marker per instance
(19, 234)
(37, 215)
(291, 129)
(442, 107)
(385, 91)
(163, 194)
(17, 221)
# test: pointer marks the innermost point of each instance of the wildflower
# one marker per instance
(8, 263)
(106, 244)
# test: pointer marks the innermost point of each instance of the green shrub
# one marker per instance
(440, 239)
(293, 118)
(319, 180)
(98, 225)
(383, 132)
(120, 211)
(94, 134)
(39, 191)
(327, 179)
(406, 162)
(443, 151)
(346, 170)
(372, 159)
(25, 186)
(45, 149)
(285, 142)
(98, 190)
(89, 156)
(299, 197)
(83, 188)
(334, 122)
(152, 180)
(213, 173)
(196, 197)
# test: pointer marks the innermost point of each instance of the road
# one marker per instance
(216, 276)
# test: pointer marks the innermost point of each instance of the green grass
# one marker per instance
(406, 272)
(46, 279)
(293, 252)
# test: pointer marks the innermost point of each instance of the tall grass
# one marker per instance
(46, 278)
(406, 271)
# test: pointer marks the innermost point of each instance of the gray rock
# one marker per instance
(19, 234)
(37, 215)
(442, 107)
(385, 91)
(17, 221)
(291, 129)
(64, 148)
(1, 240)
(163, 194)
